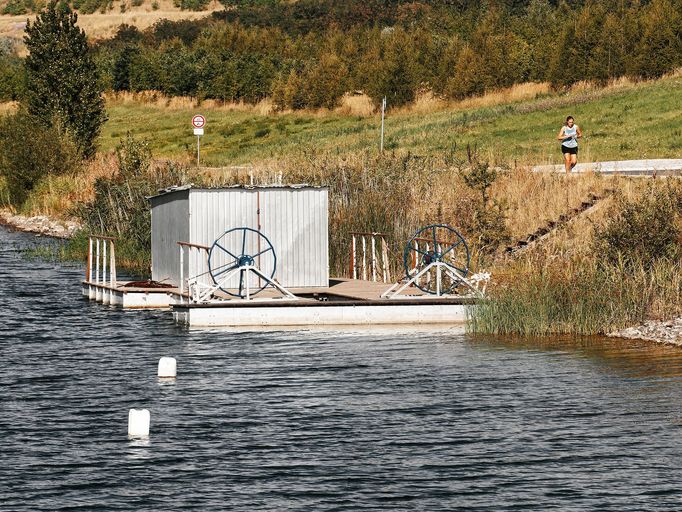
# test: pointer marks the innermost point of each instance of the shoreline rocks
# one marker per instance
(39, 224)
(668, 332)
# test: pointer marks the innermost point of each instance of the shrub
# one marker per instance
(641, 231)
(488, 217)
(24, 163)
(120, 207)
(11, 70)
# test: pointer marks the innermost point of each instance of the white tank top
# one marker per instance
(573, 134)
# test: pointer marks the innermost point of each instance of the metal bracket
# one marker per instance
(441, 267)
(201, 293)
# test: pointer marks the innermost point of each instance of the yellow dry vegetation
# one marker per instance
(100, 25)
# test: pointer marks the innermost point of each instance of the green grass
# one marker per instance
(632, 122)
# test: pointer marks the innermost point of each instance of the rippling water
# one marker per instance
(319, 420)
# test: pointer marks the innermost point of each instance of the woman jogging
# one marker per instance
(569, 135)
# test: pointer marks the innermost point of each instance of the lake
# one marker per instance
(377, 419)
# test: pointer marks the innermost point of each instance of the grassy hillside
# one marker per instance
(624, 121)
(99, 25)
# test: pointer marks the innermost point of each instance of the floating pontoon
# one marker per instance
(258, 257)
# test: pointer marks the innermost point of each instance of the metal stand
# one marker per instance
(441, 267)
(201, 293)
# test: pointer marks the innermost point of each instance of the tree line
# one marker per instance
(308, 54)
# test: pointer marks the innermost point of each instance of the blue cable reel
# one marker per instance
(436, 243)
(241, 247)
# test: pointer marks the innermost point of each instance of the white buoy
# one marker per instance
(167, 367)
(138, 423)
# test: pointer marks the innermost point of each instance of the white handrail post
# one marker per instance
(182, 271)
(374, 259)
(112, 264)
(104, 261)
(354, 264)
(384, 259)
(364, 257)
(89, 271)
(97, 267)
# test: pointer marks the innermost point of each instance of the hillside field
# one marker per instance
(102, 25)
(623, 121)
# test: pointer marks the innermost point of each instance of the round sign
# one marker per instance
(198, 121)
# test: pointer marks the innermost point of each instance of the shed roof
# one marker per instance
(293, 186)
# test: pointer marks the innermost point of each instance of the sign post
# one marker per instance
(383, 111)
(198, 122)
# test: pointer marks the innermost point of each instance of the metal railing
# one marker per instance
(194, 255)
(98, 249)
(366, 265)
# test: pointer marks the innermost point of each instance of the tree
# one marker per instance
(62, 83)
(661, 41)
(325, 82)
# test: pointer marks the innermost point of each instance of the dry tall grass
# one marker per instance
(356, 105)
(400, 193)
(534, 199)
(159, 100)
(9, 107)
(359, 104)
(104, 25)
(55, 196)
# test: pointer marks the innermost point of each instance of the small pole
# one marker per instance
(182, 271)
(97, 267)
(364, 258)
(112, 264)
(383, 111)
(353, 267)
(374, 258)
(88, 272)
(198, 151)
(384, 259)
(105, 242)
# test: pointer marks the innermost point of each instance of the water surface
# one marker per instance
(315, 420)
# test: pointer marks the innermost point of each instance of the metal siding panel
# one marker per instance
(294, 220)
(169, 225)
(213, 212)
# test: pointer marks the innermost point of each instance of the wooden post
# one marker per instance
(428, 274)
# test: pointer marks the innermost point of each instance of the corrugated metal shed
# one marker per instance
(294, 218)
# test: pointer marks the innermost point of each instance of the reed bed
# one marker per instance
(581, 297)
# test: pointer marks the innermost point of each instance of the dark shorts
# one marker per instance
(570, 151)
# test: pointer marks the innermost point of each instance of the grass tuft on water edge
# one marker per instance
(581, 297)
